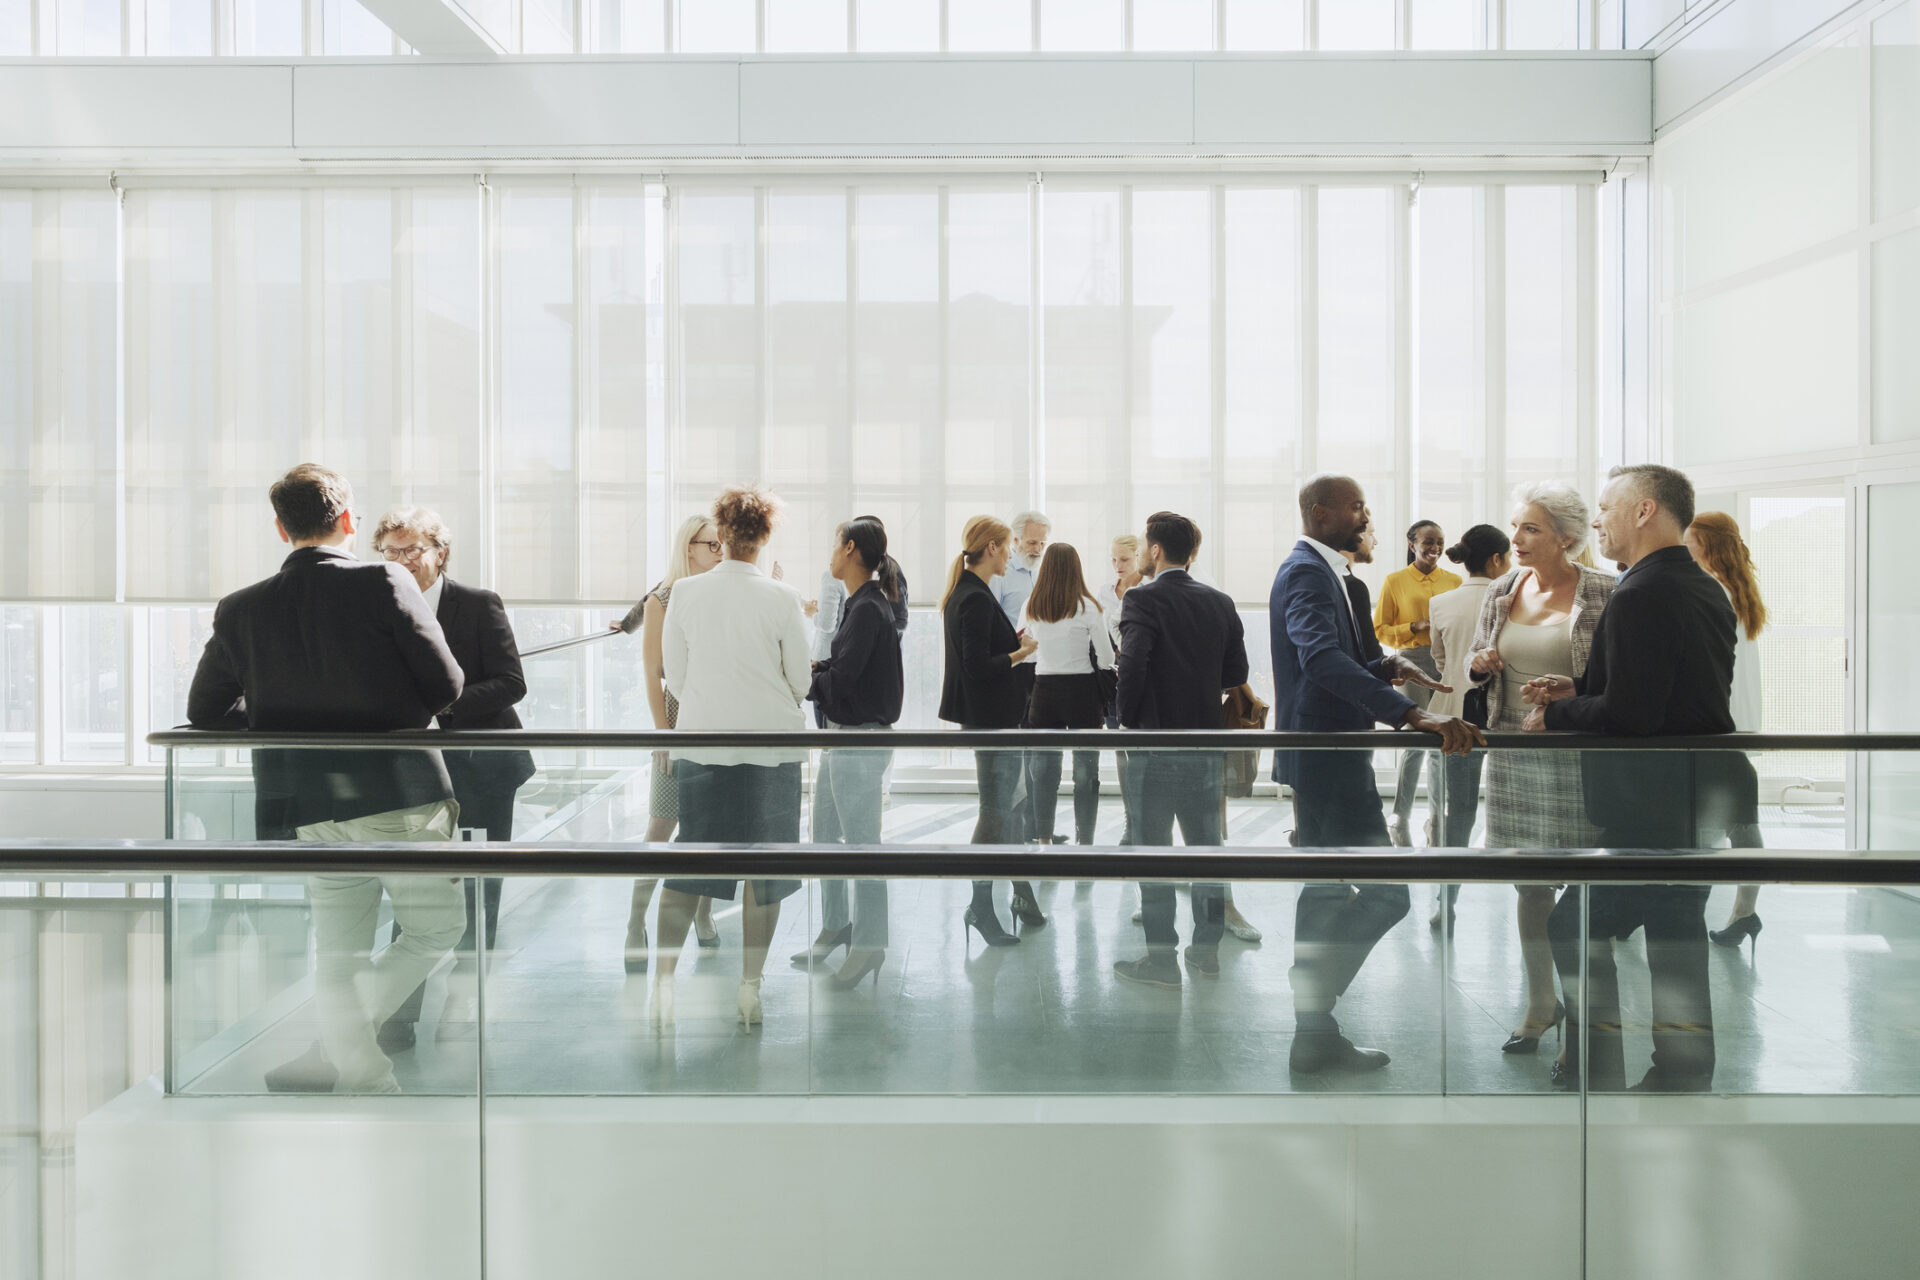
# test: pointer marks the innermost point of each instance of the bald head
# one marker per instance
(1333, 511)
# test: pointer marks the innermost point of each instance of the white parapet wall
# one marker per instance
(862, 1187)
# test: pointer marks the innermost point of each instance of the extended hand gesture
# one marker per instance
(1457, 736)
(1406, 673)
(1027, 646)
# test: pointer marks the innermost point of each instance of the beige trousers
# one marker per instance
(355, 991)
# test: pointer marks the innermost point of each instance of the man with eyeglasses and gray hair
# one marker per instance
(484, 782)
(1030, 531)
(332, 644)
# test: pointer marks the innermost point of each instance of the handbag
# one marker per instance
(1473, 706)
(1242, 709)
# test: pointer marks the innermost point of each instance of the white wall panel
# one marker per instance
(1030, 102)
(1770, 174)
(1769, 369)
(1413, 102)
(125, 106)
(1738, 39)
(376, 107)
(1460, 104)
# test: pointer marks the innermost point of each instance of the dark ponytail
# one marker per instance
(1417, 526)
(869, 539)
(1476, 547)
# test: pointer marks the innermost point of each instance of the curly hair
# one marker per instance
(1724, 554)
(423, 523)
(746, 517)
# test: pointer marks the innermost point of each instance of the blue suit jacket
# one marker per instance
(1325, 679)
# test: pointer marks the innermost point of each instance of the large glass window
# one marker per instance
(1450, 369)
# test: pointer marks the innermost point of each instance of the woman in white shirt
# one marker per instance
(735, 652)
(1715, 543)
(1064, 619)
(1483, 551)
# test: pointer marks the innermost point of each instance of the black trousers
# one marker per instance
(1335, 926)
(1675, 918)
(1188, 787)
(491, 811)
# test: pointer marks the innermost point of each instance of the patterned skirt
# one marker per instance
(663, 798)
(1534, 798)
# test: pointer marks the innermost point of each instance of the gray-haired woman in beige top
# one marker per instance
(1537, 619)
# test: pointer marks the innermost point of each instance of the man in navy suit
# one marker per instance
(1181, 647)
(1329, 678)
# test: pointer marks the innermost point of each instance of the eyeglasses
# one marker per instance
(711, 544)
(409, 554)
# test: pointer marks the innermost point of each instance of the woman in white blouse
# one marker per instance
(735, 652)
(1062, 616)
(1715, 543)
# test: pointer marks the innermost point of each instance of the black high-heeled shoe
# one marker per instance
(990, 931)
(859, 964)
(1518, 1043)
(823, 946)
(1025, 908)
(1747, 926)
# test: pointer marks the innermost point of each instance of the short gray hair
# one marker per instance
(423, 523)
(1025, 518)
(1565, 508)
(1670, 490)
(1319, 491)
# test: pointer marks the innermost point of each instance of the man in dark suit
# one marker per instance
(1329, 676)
(331, 644)
(484, 782)
(1662, 663)
(1181, 647)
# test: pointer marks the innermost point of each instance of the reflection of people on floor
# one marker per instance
(475, 624)
(1662, 663)
(333, 644)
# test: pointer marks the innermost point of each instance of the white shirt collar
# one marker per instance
(737, 566)
(433, 594)
(1335, 561)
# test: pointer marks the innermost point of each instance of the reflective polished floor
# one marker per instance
(1833, 1007)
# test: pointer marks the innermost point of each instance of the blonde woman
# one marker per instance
(1537, 619)
(694, 550)
(1713, 539)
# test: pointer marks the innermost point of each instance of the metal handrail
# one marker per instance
(965, 862)
(571, 642)
(1015, 739)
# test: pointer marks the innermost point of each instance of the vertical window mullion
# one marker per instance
(1217, 360)
(1036, 339)
(1494, 209)
(586, 338)
(1402, 259)
(1586, 278)
(1309, 330)
(489, 400)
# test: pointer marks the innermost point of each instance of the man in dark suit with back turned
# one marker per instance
(332, 644)
(1662, 663)
(1330, 677)
(1181, 647)
(484, 782)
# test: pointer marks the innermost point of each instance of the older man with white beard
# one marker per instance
(1030, 530)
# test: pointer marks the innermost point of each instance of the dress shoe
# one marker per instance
(990, 931)
(1152, 971)
(708, 936)
(829, 941)
(748, 999)
(394, 1036)
(859, 964)
(311, 1072)
(1329, 1051)
(1738, 931)
(1241, 927)
(636, 952)
(1024, 908)
(1400, 831)
(1204, 961)
(1521, 1042)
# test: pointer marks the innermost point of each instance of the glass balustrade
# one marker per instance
(302, 1059)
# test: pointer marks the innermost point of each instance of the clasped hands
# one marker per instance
(1536, 693)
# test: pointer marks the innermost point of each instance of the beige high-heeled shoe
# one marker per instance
(749, 1002)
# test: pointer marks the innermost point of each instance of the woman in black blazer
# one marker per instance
(985, 686)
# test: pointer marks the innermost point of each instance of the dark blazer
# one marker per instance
(1182, 645)
(475, 624)
(1328, 677)
(1661, 663)
(979, 688)
(862, 681)
(329, 644)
